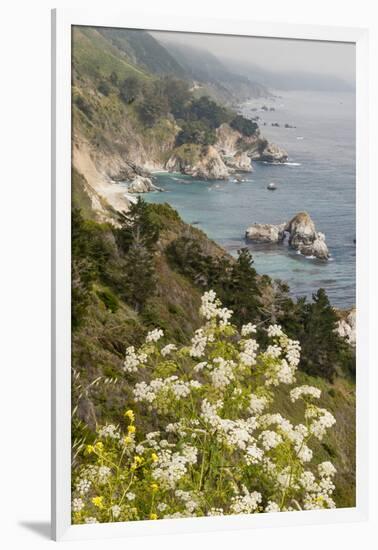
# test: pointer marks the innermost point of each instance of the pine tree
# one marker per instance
(322, 347)
(240, 290)
(137, 239)
(139, 276)
(137, 225)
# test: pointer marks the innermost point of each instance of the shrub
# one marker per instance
(109, 299)
(83, 105)
(104, 88)
(206, 110)
(244, 125)
(196, 132)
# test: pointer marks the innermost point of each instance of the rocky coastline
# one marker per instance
(232, 152)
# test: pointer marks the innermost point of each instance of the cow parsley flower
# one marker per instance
(109, 430)
(249, 353)
(274, 331)
(246, 504)
(77, 504)
(326, 469)
(116, 511)
(154, 335)
(272, 507)
(91, 519)
(168, 349)
(305, 390)
(248, 329)
(270, 440)
(133, 360)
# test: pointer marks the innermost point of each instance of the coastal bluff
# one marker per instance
(299, 234)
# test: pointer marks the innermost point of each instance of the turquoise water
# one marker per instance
(319, 178)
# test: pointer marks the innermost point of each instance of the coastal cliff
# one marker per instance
(129, 122)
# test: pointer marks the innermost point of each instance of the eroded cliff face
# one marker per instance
(231, 143)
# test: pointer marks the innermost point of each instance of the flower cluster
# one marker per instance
(212, 441)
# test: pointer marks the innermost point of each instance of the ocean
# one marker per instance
(319, 178)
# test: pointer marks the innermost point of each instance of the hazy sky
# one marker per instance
(325, 58)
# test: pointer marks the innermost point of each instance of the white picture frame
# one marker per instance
(62, 21)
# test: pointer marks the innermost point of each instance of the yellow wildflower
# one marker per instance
(153, 516)
(97, 501)
(99, 446)
(137, 462)
(127, 440)
(129, 414)
(131, 429)
(154, 487)
(154, 457)
(90, 449)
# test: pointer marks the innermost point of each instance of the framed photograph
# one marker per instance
(210, 304)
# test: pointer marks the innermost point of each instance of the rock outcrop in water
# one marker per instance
(270, 153)
(141, 184)
(265, 233)
(299, 234)
(304, 238)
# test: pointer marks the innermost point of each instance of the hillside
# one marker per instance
(129, 120)
(108, 321)
(140, 274)
(212, 77)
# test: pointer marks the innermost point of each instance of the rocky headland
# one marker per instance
(232, 152)
(299, 234)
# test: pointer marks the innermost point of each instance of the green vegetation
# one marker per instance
(196, 132)
(199, 433)
(146, 269)
(244, 125)
(112, 311)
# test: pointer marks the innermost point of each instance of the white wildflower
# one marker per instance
(200, 366)
(223, 374)
(133, 360)
(116, 511)
(272, 507)
(257, 404)
(246, 504)
(248, 329)
(274, 331)
(109, 430)
(168, 349)
(104, 472)
(326, 469)
(305, 390)
(154, 335)
(270, 439)
(249, 353)
(83, 486)
(91, 520)
(77, 504)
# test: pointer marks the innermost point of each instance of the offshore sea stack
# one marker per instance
(299, 234)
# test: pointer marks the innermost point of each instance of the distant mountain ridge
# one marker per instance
(204, 67)
(290, 80)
